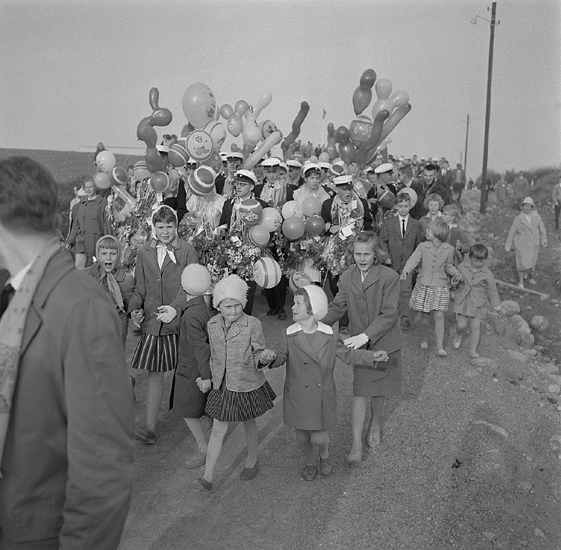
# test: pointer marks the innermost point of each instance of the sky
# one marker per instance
(77, 72)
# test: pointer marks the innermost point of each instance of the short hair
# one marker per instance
(107, 242)
(478, 251)
(406, 197)
(28, 196)
(440, 230)
(164, 214)
(453, 211)
(302, 292)
(436, 198)
(431, 167)
(369, 237)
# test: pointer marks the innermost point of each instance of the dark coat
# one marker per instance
(227, 208)
(69, 452)
(400, 248)
(423, 191)
(310, 395)
(326, 212)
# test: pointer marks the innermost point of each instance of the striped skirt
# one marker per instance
(155, 353)
(429, 298)
(233, 406)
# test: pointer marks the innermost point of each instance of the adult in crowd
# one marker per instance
(446, 176)
(100, 147)
(426, 186)
(90, 222)
(556, 196)
(311, 187)
(459, 180)
(521, 188)
(225, 184)
(67, 420)
(295, 178)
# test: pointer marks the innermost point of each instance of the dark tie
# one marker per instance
(5, 297)
(403, 227)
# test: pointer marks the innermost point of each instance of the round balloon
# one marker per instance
(259, 235)
(267, 272)
(250, 212)
(214, 161)
(293, 228)
(178, 155)
(324, 157)
(311, 206)
(271, 219)
(140, 171)
(315, 225)
(199, 145)
(251, 134)
(119, 176)
(106, 161)
(268, 127)
(299, 279)
(102, 180)
(235, 125)
(160, 182)
(199, 104)
(217, 132)
(291, 208)
(226, 111)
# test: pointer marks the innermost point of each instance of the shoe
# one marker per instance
(145, 435)
(520, 285)
(309, 472)
(355, 457)
(373, 438)
(442, 353)
(203, 485)
(532, 281)
(250, 473)
(206, 422)
(272, 311)
(282, 314)
(424, 345)
(457, 341)
(405, 323)
(196, 460)
(325, 466)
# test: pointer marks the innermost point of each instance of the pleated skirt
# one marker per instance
(155, 353)
(430, 298)
(233, 406)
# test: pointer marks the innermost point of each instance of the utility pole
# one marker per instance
(483, 202)
(466, 148)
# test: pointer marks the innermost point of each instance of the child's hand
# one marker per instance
(381, 356)
(388, 261)
(357, 341)
(457, 279)
(137, 316)
(507, 248)
(267, 356)
(166, 314)
(204, 385)
(334, 229)
(403, 276)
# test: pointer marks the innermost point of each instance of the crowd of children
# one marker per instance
(219, 355)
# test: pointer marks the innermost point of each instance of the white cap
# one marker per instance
(283, 166)
(309, 167)
(337, 168)
(343, 180)
(528, 200)
(270, 162)
(234, 155)
(246, 175)
(324, 165)
(384, 168)
(294, 163)
(163, 148)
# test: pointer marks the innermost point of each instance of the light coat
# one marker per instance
(68, 459)
(310, 395)
(236, 351)
(478, 286)
(527, 235)
(437, 263)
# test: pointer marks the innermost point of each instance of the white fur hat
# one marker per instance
(318, 301)
(233, 287)
(195, 279)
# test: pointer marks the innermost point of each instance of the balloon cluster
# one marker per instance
(365, 135)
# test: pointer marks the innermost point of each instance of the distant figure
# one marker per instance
(459, 180)
(100, 147)
(521, 188)
(501, 190)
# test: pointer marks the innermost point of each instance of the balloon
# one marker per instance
(199, 145)
(160, 116)
(235, 124)
(267, 272)
(226, 111)
(140, 171)
(315, 225)
(381, 105)
(153, 98)
(250, 212)
(251, 134)
(311, 206)
(241, 107)
(106, 161)
(331, 148)
(263, 148)
(290, 209)
(368, 147)
(149, 136)
(363, 94)
(262, 102)
(293, 228)
(399, 98)
(234, 148)
(154, 161)
(324, 157)
(347, 152)
(259, 235)
(360, 129)
(145, 122)
(271, 219)
(384, 88)
(395, 119)
(178, 155)
(268, 127)
(299, 279)
(217, 132)
(412, 193)
(297, 124)
(368, 78)
(160, 182)
(214, 161)
(199, 104)
(119, 176)
(102, 180)
(342, 135)
(187, 129)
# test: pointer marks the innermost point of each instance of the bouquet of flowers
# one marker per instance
(292, 254)
(337, 254)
